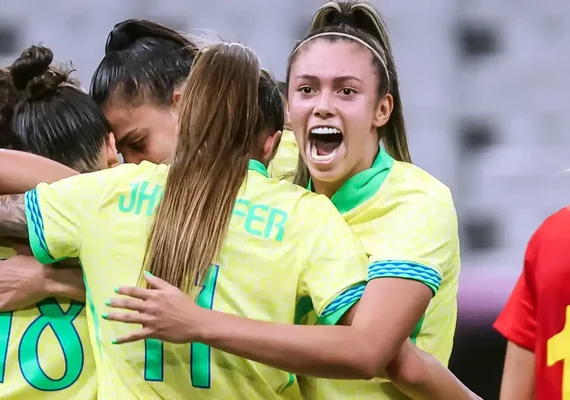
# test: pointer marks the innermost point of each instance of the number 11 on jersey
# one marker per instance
(200, 354)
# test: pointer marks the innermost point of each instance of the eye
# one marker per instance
(305, 90)
(138, 145)
(348, 91)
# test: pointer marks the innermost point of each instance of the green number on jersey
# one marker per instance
(200, 362)
(53, 317)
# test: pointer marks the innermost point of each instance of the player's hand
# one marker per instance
(22, 282)
(163, 310)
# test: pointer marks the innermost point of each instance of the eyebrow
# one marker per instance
(342, 78)
(127, 137)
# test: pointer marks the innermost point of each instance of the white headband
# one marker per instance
(351, 37)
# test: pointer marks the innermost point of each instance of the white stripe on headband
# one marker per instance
(351, 37)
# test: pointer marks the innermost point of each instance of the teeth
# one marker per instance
(324, 131)
(315, 156)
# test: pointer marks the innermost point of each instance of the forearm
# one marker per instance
(21, 171)
(65, 282)
(321, 351)
(420, 376)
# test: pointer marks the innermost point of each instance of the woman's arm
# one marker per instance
(24, 281)
(518, 374)
(360, 351)
(22, 171)
(329, 352)
(421, 376)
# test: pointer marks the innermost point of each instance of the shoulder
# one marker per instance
(411, 190)
(127, 173)
(553, 233)
(556, 225)
(410, 178)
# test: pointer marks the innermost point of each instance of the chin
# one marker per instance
(324, 174)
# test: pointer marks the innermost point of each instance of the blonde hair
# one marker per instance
(218, 124)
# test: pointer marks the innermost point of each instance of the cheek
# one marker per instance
(299, 113)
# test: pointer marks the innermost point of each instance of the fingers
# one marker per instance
(156, 283)
(127, 303)
(128, 318)
(133, 291)
(134, 336)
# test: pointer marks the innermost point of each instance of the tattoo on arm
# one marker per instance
(13, 216)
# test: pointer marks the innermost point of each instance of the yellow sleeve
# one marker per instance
(334, 275)
(284, 164)
(56, 216)
(419, 240)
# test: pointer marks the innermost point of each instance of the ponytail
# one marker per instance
(218, 125)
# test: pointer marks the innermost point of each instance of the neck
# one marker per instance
(327, 188)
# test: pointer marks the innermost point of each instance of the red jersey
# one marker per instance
(537, 315)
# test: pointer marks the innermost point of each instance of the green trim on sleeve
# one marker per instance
(417, 329)
(332, 319)
(405, 270)
(334, 311)
(36, 228)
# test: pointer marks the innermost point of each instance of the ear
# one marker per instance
(111, 149)
(270, 147)
(383, 111)
(176, 96)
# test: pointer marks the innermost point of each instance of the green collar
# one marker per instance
(256, 166)
(362, 186)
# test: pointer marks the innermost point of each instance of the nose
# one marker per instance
(324, 107)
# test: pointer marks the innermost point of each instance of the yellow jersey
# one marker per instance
(284, 165)
(6, 253)
(284, 245)
(407, 222)
(45, 351)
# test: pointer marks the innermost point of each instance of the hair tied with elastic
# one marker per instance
(122, 36)
(33, 75)
(126, 33)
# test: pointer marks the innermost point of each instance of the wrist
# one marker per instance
(51, 284)
(202, 326)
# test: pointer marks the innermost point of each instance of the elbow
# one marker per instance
(371, 365)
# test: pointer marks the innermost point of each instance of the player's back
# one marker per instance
(270, 261)
(406, 221)
(45, 351)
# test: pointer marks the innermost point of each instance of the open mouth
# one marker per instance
(324, 143)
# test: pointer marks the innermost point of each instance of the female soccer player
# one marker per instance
(405, 218)
(230, 113)
(45, 351)
(138, 85)
(536, 319)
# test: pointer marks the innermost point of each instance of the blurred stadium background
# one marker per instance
(486, 92)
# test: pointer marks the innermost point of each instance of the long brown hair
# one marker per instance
(361, 20)
(218, 125)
